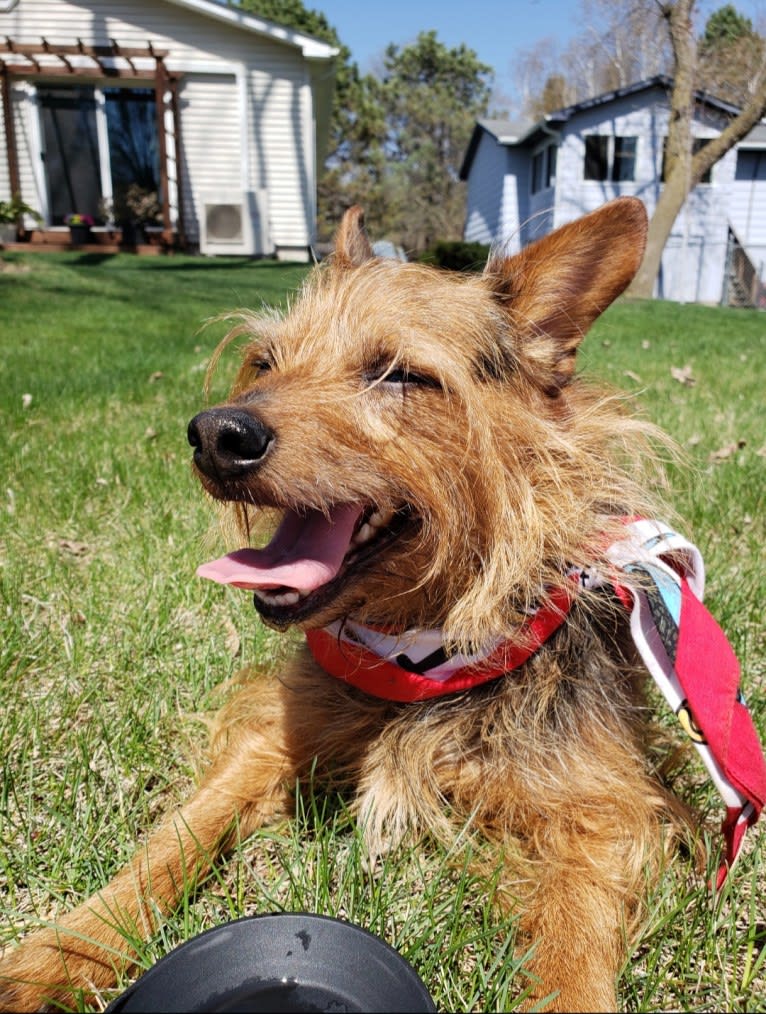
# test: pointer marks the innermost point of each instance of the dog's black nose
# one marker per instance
(228, 442)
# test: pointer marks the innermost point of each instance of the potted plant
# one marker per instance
(79, 227)
(138, 208)
(10, 214)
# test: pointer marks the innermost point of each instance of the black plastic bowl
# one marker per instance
(279, 962)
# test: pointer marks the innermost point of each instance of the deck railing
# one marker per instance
(742, 285)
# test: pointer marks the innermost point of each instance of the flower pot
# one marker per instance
(79, 235)
(7, 233)
(133, 234)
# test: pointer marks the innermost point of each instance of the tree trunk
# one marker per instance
(682, 171)
(668, 206)
(678, 146)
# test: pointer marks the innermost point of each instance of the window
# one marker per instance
(610, 158)
(550, 165)
(133, 145)
(537, 172)
(544, 168)
(596, 157)
(624, 163)
(70, 137)
(751, 165)
(82, 160)
(697, 145)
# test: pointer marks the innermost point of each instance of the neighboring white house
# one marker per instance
(224, 114)
(524, 181)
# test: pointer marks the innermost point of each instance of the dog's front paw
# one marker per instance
(52, 971)
(22, 996)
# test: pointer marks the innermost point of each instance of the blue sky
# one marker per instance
(496, 29)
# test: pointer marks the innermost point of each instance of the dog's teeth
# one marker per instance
(364, 534)
(374, 523)
(380, 520)
(279, 599)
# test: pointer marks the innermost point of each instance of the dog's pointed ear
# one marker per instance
(557, 286)
(352, 247)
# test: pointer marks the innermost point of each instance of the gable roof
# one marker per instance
(311, 48)
(516, 134)
(658, 81)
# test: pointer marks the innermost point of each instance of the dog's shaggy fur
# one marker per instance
(448, 405)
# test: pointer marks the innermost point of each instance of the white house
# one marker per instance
(224, 114)
(524, 180)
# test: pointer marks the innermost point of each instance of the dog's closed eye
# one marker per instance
(260, 365)
(399, 375)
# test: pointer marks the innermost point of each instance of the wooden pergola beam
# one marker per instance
(80, 49)
(160, 87)
(29, 51)
(20, 59)
(10, 133)
(24, 70)
(178, 148)
(64, 59)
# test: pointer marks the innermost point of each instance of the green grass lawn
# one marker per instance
(111, 649)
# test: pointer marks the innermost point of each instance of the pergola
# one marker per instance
(48, 60)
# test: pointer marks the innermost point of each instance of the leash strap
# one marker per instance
(693, 666)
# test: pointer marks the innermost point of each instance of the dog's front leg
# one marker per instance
(592, 856)
(247, 784)
(577, 928)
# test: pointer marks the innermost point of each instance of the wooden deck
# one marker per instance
(102, 241)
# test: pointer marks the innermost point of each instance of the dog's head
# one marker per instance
(430, 457)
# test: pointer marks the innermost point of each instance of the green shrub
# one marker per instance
(12, 210)
(456, 255)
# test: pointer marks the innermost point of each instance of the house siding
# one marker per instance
(487, 200)
(26, 127)
(498, 196)
(5, 182)
(747, 204)
(516, 202)
(265, 144)
(211, 141)
(694, 261)
(576, 195)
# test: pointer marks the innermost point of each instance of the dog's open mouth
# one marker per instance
(308, 560)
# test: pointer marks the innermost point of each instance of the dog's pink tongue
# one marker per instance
(305, 553)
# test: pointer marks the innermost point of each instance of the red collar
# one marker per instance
(357, 665)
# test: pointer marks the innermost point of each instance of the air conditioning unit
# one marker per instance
(234, 223)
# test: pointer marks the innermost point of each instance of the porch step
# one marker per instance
(743, 286)
(48, 246)
(738, 295)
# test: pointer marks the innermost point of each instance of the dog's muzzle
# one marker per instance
(228, 442)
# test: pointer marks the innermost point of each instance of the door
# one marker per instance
(71, 154)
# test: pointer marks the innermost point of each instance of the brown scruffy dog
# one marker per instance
(434, 470)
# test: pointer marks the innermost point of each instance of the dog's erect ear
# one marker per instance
(352, 247)
(557, 286)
